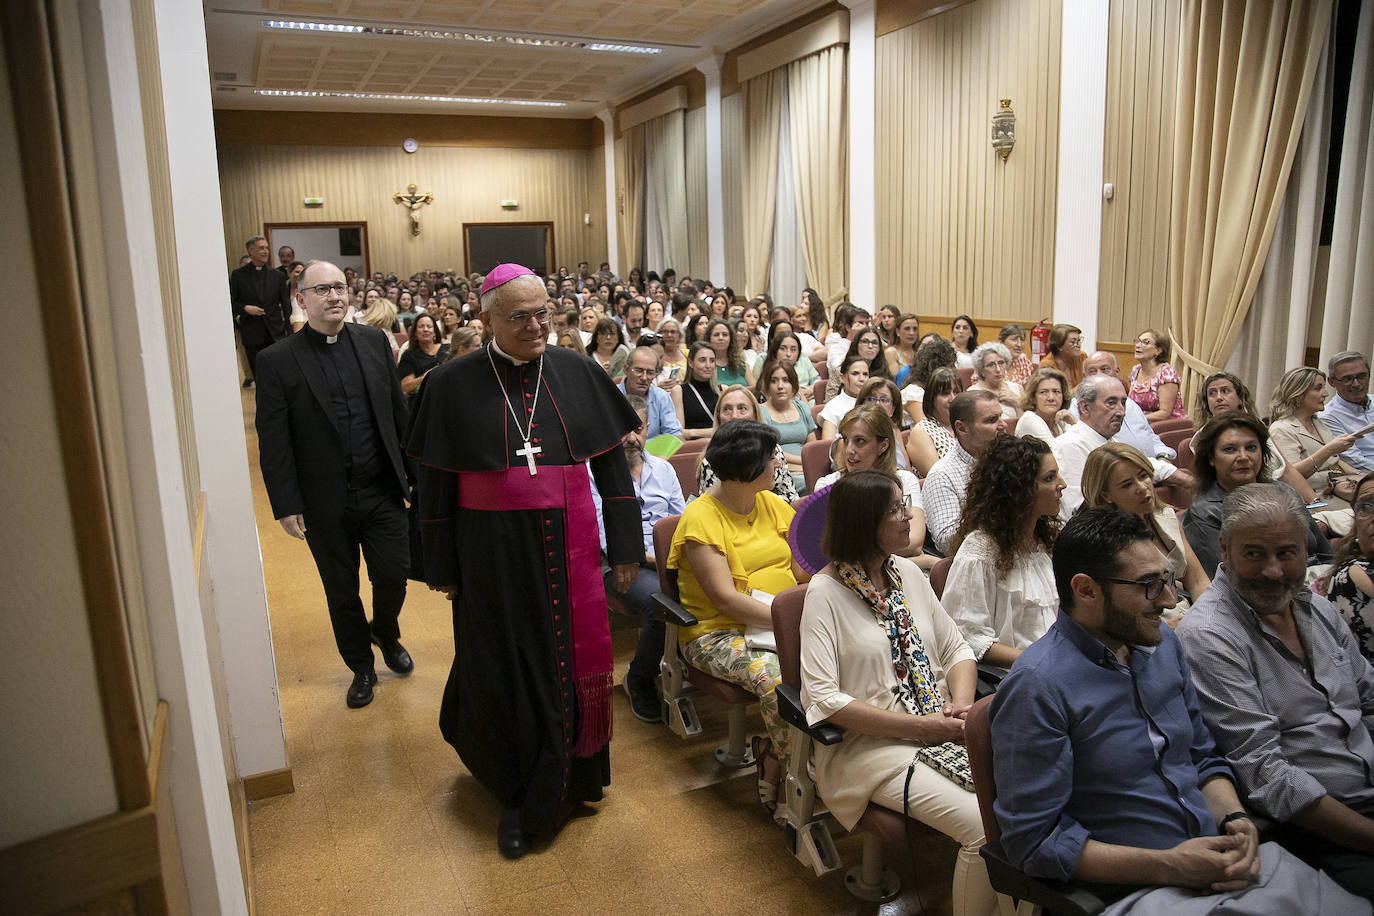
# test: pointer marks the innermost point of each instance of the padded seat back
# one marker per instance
(815, 459)
(978, 741)
(664, 529)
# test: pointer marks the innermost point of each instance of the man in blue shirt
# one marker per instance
(641, 369)
(1105, 770)
(1351, 409)
(660, 495)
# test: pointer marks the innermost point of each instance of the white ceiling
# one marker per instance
(246, 56)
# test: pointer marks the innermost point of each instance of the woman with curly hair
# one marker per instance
(1001, 588)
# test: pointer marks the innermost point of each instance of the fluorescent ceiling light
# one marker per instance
(397, 97)
(448, 35)
(312, 26)
(622, 49)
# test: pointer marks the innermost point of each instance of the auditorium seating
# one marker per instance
(815, 459)
(675, 675)
(1030, 894)
(808, 830)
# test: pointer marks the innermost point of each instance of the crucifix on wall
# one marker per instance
(413, 204)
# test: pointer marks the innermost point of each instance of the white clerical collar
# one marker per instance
(506, 356)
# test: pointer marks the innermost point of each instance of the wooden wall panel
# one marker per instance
(1142, 60)
(262, 184)
(972, 234)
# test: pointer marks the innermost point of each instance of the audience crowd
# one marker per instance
(1075, 518)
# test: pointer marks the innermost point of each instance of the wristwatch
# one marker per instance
(1233, 816)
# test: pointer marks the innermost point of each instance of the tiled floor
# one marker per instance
(386, 819)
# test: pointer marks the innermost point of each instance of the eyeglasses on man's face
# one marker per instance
(1154, 585)
(541, 316)
(1355, 378)
(324, 289)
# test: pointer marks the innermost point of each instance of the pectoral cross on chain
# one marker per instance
(528, 453)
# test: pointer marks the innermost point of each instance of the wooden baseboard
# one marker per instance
(269, 784)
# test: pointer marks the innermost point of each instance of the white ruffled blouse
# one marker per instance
(1015, 610)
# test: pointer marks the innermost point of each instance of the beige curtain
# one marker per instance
(762, 118)
(698, 244)
(1349, 318)
(1273, 338)
(629, 171)
(666, 179)
(820, 167)
(1245, 73)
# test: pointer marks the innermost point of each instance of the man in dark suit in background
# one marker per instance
(262, 306)
(285, 255)
(330, 421)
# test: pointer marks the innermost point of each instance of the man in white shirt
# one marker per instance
(976, 418)
(1352, 408)
(1135, 428)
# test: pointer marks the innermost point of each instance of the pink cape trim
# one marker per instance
(566, 487)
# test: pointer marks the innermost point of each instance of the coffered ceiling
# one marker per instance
(555, 58)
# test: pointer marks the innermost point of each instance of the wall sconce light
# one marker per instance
(1004, 130)
(510, 205)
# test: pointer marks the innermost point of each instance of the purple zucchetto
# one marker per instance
(502, 274)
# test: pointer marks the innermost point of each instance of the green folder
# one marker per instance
(663, 445)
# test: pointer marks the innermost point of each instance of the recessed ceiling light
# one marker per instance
(397, 97)
(448, 35)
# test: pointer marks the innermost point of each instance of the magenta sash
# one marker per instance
(565, 487)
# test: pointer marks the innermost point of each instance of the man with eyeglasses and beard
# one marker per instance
(1106, 773)
(1285, 689)
(330, 421)
(508, 438)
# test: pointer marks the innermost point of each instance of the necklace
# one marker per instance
(528, 452)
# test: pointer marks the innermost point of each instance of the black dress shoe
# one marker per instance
(360, 691)
(510, 839)
(395, 655)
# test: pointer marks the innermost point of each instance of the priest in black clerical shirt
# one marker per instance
(260, 301)
(330, 420)
(508, 438)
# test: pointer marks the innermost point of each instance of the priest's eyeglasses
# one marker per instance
(1154, 585)
(324, 289)
(520, 319)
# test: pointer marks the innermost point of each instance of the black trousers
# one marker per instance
(1349, 868)
(374, 520)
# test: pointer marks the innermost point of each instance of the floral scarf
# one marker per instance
(916, 687)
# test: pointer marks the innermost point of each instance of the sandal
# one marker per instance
(767, 788)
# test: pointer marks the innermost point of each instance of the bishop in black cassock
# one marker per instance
(504, 437)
